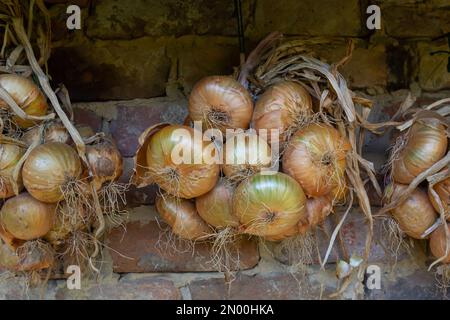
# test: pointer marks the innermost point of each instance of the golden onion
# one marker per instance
(442, 189)
(54, 131)
(280, 237)
(438, 243)
(269, 204)
(26, 218)
(49, 169)
(26, 94)
(10, 154)
(181, 215)
(284, 106)
(422, 146)
(315, 157)
(220, 102)
(317, 210)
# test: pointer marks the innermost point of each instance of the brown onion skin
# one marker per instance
(438, 243)
(222, 94)
(416, 214)
(193, 179)
(27, 95)
(216, 206)
(316, 158)
(280, 105)
(34, 259)
(426, 144)
(269, 205)
(53, 132)
(10, 154)
(182, 216)
(317, 210)
(48, 167)
(27, 218)
(443, 190)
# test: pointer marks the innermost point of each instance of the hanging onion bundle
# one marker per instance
(416, 214)
(220, 102)
(179, 163)
(317, 210)
(26, 94)
(181, 215)
(244, 155)
(285, 106)
(316, 158)
(51, 172)
(10, 154)
(27, 218)
(269, 205)
(422, 146)
(438, 244)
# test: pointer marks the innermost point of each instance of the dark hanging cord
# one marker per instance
(238, 8)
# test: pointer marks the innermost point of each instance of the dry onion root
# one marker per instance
(440, 248)
(10, 154)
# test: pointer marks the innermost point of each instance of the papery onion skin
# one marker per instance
(216, 206)
(27, 95)
(438, 241)
(317, 210)
(220, 102)
(27, 218)
(316, 158)
(244, 155)
(10, 154)
(269, 204)
(53, 132)
(442, 189)
(281, 106)
(35, 258)
(426, 144)
(416, 214)
(182, 216)
(48, 168)
(184, 180)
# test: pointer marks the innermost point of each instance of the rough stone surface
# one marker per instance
(89, 118)
(433, 72)
(150, 251)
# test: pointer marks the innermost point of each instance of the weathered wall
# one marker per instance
(137, 60)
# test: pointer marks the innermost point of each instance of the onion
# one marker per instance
(54, 132)
(10, 155)
(280, 237)
(416, 214)
(244, 155)
(423, 145)
(283, 106)
(216, 206)
(442, 188)
(27, 218)
(49, 170)
(269, 205)
(315, 157)
(317, 210)
(27, 96)
(181, 215)
(32, 256)
(181, 177)
(220, 102)
(438, 244)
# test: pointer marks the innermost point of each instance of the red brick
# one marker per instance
(144, 254)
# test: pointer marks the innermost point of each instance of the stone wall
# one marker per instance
(133, 64)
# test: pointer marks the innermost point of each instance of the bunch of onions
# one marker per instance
(54, 131)
(285, 106)
(181, 215)
(316, 158)
(416, 214)
(27, 95)
(442, 189)
(422, 146)
(269, 204)
(317, 210)
(10, 155)
(220, 102)
(178, 163)
(438, 243)
(51, 172)
(26, 218)
(244, 155)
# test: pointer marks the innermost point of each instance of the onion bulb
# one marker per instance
(317, 210)
(269, 204)
(54, 131)
(49, 169)
(178, 163)
(315, 157)
(27, 95)
(244, 155)
(220, 102)
(438, 243)
(423, 145)
(442, 189)
(181, 215)
(32, 256)
(280, 237)
(284, 106)
(10, 155)
(216, 206)
(416, 214)
(27, 218)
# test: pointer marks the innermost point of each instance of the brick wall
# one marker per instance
(133, 64)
